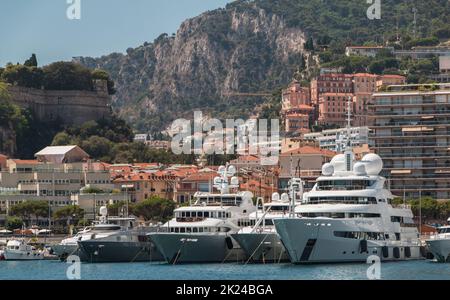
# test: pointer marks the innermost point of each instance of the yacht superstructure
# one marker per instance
(348, 216)
(260, 240)
(439, 244)
(117, 240)
(201, 233)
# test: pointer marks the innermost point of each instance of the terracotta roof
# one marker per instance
(310, 150)
(364, 75)
(248, 158)
(393, 76)
(201, 177)
(25, 162)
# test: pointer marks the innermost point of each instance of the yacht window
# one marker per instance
(200, 214)
(397, 236)
(443, 230)
(183, 214)
(177, 230)
(188, 230)
(206, 214)
(194, 229)
(194, 214)
(182, 230)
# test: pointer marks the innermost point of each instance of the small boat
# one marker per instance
(20, 250)
(439, 244)
(69, 246)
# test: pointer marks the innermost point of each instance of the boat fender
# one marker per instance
(363, 246)
(396, 252)
(385, 251)
(408, 252)
(229, 243)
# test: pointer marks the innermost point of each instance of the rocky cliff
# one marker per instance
(215, 54)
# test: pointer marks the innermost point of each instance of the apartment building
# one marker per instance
(336, 139)
(56, 174)
(141, 186)
(369, 51)
(305, 162)
(331, 83)
(333, 108)
(411, 132)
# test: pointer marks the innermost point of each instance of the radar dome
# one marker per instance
(275, 197)
(104, 211)
(285, 197)
(373, 164)
(234, 181)
(360, 169)
(338, 162)
(327, 169)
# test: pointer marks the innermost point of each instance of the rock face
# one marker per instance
(211, 57)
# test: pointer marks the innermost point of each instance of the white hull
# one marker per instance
(440, 249)
(21, 255)
(306, 242)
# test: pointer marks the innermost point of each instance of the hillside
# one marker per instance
(250, 46)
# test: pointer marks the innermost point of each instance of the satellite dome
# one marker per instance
(285, 198)
(327, 169)
(373, 164)
(104, 211)
(360, 169)
(338, 162)
(276, 197)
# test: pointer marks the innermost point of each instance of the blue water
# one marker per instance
(48, 270)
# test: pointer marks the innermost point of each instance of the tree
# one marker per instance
(32, 61)
(67, 76)
(31, 77)
(154, 209)
(27, 209)
(72, 214)
(103, 75)
(13, 223)
(116, 208)
(4, 94)
(309, 45)
(62, 139)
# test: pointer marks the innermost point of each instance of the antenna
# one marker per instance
(349, 120)
(414, 10)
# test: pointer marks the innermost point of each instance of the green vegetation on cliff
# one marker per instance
(56, 76)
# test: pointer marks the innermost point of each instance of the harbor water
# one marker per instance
(55, 270)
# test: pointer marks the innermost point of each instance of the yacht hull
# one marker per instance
(191, 248)
(64, 251)
(440, 249)
(98, 251)
(313, 241)
(21, 255)
(262, 247)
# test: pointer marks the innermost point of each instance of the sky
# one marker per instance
(105, 26)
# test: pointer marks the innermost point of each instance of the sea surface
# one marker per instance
(51, 270)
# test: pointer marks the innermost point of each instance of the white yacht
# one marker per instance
(260, 240)
(439, 244)
(201, 233)
(348, 216)
(20, 250)
(69, 246)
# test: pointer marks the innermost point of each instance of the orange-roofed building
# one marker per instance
(3, 161)
(333, 108)
(305, 162)
(143, 185)
(198, 182)
(295, 95)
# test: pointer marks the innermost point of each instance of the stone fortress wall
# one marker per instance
(68, 107)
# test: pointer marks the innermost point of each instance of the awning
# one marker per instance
(400, 172)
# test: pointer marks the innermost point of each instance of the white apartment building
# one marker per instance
(336, 139)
